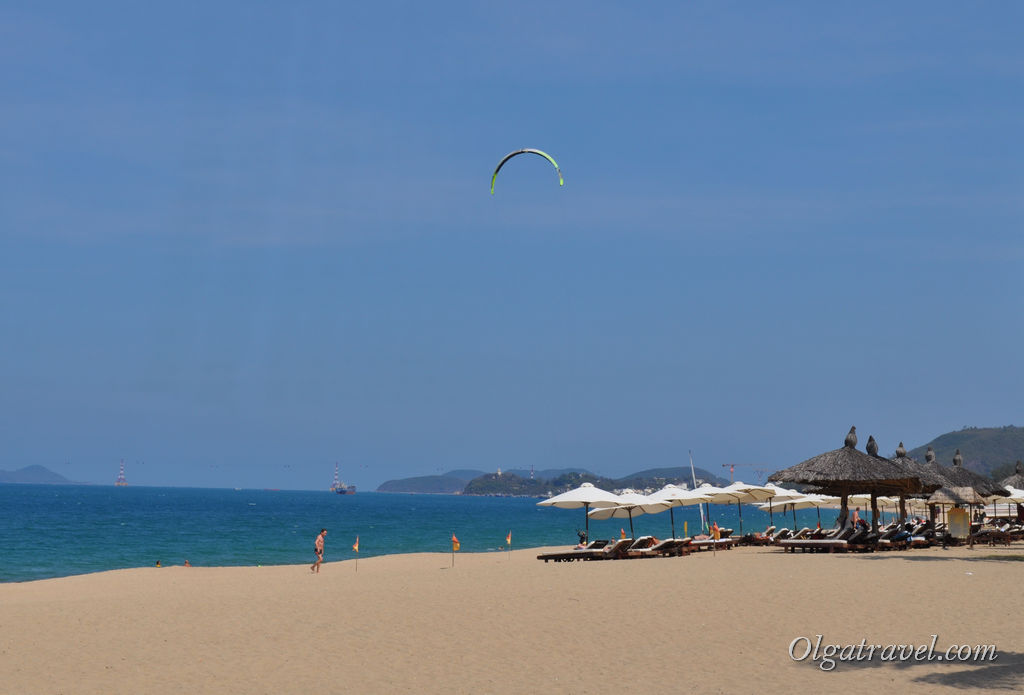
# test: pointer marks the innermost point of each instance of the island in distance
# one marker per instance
(526, 483)
(34, 475)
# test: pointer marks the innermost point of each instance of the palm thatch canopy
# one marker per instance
(846, 470)
(964, 477)
(1016, 480)
(930, 475)
(958, 496)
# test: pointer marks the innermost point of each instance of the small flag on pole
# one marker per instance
(455, 543)
(622, 533)
(508, 538)
(355, 547)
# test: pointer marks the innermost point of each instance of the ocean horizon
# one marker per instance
(61, 530)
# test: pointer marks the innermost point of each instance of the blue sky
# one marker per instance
(241, 243)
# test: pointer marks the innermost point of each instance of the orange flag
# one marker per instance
(356, 546)
(508, 538)
(455, 543)
(622, 533)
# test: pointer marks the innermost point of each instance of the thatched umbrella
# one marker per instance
(964, 477)
(1016, 480)
(846, 470)
(931, 480)
(961, 496)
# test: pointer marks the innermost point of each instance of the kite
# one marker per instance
(510, 155)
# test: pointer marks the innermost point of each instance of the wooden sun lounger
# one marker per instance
(666, 548)
(836, 543)
(595, 550)
(712, 544)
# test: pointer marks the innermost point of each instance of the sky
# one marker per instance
(241, 242)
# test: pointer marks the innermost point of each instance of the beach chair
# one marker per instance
(805, 532)
(665, 548)
(592, 551)
(782, 535)
(836, 543)
(712, 544)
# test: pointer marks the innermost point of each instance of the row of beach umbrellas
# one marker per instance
(844, 476)
(601, 504)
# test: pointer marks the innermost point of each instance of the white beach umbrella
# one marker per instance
(748, 494)
(585, 496)
(805, 502)
(719, 495)
(677, 497)
(630, 504)
(781, 495)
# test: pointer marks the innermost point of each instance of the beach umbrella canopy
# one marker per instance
(956, 496)
(676, 496)
(630, 504)
(1016, 480)
(747, 494)
(964, 477)
(805, 502)
(846, 470)
(585, 496)
(931, 477)
(780, 495)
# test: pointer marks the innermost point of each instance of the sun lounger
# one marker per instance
(782, 535)
(712, 544)
(837, 543)
(595, 550)
(760, 538)
(805, 532)
(993, 535)
(666, 548)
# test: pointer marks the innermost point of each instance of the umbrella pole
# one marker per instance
(794, 518)
(874, 511)
(771, 521)
(631, 534)
(818, 508)
(672, 515)
(740, 510)
(586, 523)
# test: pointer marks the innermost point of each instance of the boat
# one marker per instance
(339, 487)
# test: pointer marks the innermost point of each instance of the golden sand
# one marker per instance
(496, 623)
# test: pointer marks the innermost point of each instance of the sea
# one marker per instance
(51, 531)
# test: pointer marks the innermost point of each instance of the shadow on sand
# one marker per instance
(1006, 672)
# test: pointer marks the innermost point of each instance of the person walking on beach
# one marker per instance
(319, 550)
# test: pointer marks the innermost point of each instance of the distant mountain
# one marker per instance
(37, 475)
(675, 474)
(546, 474)
(517, 481)
(984, 449)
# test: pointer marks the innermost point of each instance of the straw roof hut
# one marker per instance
(1016, 480)
(930, 476)
(931, 480)
(964, 477)
(846, 470)
(957, 496)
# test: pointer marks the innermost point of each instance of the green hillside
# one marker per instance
(985, 450)
(425, 484)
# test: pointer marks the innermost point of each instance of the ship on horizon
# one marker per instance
(339, 487)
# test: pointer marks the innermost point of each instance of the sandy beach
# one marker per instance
(500, 623)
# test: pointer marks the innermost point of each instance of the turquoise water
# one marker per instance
(54, 531)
